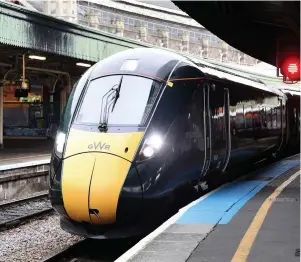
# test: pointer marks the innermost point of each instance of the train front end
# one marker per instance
(94, 182)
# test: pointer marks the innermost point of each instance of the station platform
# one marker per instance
(19, 153)
(255, 218)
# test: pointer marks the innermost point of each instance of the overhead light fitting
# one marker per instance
(83, 64)
(37, 57)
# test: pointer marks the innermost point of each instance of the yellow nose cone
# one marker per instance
(93, 174)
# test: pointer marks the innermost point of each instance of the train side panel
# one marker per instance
(256, 123)
(169, 176)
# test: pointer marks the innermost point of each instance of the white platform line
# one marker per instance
(25, 164)
(143, 242)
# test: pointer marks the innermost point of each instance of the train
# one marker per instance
(145, 130)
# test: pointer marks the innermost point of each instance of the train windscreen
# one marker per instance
(118, 100)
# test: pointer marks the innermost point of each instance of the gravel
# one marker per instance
(35, 240)
(18, 210)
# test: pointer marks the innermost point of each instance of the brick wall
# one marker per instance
(128, 25)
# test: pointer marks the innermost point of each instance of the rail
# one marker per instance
(14, 212)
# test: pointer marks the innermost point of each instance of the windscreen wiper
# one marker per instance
(111, 98)
(117, 93)
(103, 125)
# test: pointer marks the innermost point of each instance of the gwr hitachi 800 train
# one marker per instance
(144, 127)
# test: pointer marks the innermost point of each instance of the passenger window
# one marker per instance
(256, 117)
(269, 117)
(248, 117)
(263, 120)
(197, 119)
(274, 117)
(284, 116)
(239, 121)
(218, 123)
(232, 119)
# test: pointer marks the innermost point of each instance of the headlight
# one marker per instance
(154, 141)
(148, 151)
(59, 143)
(150, 147)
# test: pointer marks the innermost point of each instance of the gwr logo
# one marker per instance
(99, 146)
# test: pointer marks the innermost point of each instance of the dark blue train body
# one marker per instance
(197, 124)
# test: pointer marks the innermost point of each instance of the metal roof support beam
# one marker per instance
(35, 31)
(1, 116)
(1, 107)
(5, 64)
(54, 72)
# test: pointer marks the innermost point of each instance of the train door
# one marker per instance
(218, 142)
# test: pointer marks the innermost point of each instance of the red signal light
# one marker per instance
(291, 68)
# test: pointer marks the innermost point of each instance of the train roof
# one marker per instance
(290, 91)
(235, 76)
(153, 62)
(254, 76)
(158, 58)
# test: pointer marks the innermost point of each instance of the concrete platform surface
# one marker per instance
(23, 162)
(23, 153)
(253, 219)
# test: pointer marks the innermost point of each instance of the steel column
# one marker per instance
(1, 117)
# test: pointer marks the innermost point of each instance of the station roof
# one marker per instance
(28, 29)
(23, 28)
(253, 27)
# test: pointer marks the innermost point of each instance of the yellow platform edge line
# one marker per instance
(247, 241)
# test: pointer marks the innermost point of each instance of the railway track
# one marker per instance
(15, 212)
